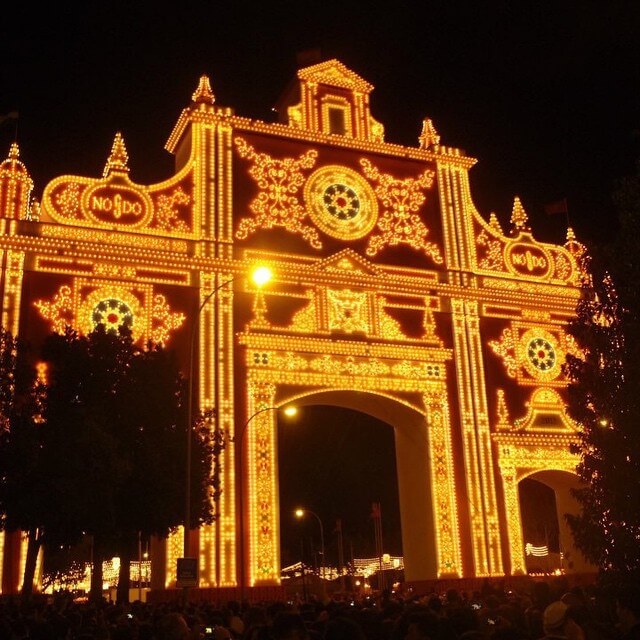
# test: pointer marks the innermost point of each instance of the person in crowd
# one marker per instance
(570, 614)
(628, 612)
(342, 627)
(256, 623)
(422, 625)
(583, 615)
(289, 625)
(173, 626)
(489, 616)
(540, 600)
(557, 623)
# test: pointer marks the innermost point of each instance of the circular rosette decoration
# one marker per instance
(112, 308)
(541, 355)
(113, 314)
(341, 202)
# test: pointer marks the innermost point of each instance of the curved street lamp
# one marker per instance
(300, 513)
(260, 276)
(289, 411)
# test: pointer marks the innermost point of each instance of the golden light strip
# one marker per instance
(225, 526)
(443, 484)
(264, 560)
(452, 252)
(2, 543)
(174, 548)
(485, 459)
(465, 398)
(13, 274)
(24, 545)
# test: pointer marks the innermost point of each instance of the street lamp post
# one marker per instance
(300, 513)
(260, 276)
(140, 566)
(289, 411)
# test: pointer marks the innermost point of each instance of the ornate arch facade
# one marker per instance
(388, 281)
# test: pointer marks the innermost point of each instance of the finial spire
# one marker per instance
(119, 158)
(14, 151)
(203, 94)
(494, 223)
(503, 411)
(429, 136)
(580, 253)
(519, 216)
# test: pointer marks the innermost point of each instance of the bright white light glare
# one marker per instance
(262, 275)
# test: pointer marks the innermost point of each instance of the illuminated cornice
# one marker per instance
(442, 154)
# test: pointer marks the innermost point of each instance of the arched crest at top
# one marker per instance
(519, 255)
(332, 99)
(334, 73)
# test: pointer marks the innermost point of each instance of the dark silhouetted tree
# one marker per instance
(116, 446)
(153, 417)
(604, 398)
(83, 454)
(20, 432)
(97, 446)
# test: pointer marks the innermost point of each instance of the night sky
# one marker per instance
(545, 95)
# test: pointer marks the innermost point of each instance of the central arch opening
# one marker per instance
(349, 456)
(337, 462)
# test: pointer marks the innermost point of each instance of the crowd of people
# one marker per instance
(543, 613)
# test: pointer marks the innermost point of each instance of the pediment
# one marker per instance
(546, 413)
(349, 261)
(335, 74)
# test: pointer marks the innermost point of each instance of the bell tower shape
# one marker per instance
(15, 187)
(331, 99)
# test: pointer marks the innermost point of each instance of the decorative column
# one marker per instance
(443, 483)
(262, 487)
(512, 508)
(478, 459)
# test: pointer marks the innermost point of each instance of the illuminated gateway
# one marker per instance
(391, 295)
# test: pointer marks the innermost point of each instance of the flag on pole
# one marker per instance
(12, 115)
(559, 206)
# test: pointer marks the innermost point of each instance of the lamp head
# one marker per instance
(290, 411)
(299, 513)
(261, 276)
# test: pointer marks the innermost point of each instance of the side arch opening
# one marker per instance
(545, 497)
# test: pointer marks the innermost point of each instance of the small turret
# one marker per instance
(494, 223)
(15, 187)
(580, 253)
(203, 94)
(519, 218)
(118, 159)
(429, 137)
